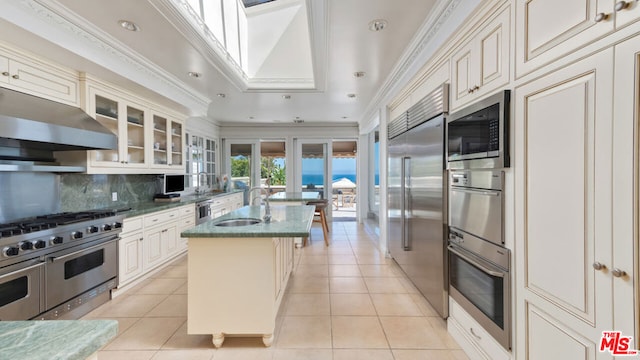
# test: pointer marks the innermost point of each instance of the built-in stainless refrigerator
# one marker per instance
(417, 196)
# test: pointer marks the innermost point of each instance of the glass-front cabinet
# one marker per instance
(149, 140)
(201, 162)
(167, 142)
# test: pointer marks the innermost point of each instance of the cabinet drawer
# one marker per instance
(131, 224)
(186, 223)
(477, 333)
(161, 218)
(187, 211)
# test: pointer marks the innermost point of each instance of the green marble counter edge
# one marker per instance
(148, 207)
(288, 221)
(54, 340)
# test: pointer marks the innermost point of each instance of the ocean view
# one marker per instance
(316, 179)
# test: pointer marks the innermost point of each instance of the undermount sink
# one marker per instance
(238, 222)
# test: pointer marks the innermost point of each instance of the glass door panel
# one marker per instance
(273, 162)
(107, 115)
(135, 136)
(241, 163)
(314, 168)
(159, 140)
(176, 144)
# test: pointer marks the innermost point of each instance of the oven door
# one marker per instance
(21, 290)
(75, 270)
(203, 212)
(478, 212)
(483, 290)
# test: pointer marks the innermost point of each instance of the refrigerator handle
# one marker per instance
(406, 182)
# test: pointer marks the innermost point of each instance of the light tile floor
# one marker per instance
(343, 302)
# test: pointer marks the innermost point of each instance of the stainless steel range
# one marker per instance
(58, 266)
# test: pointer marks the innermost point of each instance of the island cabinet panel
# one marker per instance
(236, 285)
(130, 258)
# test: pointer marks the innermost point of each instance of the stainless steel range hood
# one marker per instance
(32, 128)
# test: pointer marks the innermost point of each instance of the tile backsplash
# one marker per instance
(81, 192)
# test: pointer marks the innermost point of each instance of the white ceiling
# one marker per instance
(341, 45)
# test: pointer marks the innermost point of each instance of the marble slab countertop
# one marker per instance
(55, 339)
(147, 207)
(287, 221)
(295, 196)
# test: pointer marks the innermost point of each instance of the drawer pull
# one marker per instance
(601, 17)
(618, 273)
(474, 334)
(621, 5)
(5, 73)
(15, 76)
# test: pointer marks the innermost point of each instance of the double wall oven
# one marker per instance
(58, 266)
(479, 263)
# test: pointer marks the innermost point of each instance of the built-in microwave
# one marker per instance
(478, 135)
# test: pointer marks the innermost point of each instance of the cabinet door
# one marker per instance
(277, 252)
(133, 151)
(563, 137)
(171, 241)
(627, 15)
(626, 158)
(176, 144)
(130, 257)
(153, 253)
(482, 66)
(106, 111)
(549, 29)
(37, 81)
(4, 69)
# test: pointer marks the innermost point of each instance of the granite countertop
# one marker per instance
(58, 339)
(287, 221)
(295, 196)
(147, 207)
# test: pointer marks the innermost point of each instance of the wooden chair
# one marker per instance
(320, 205)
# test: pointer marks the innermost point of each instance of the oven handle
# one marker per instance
(21, 270)
(479, 192)
(475, 263)
(58, 258)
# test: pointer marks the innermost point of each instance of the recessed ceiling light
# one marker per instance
(194, 74)
(359, 74)
(351, 96)
(377, 24)
(286, 97)
(129, 25)
(221, 95)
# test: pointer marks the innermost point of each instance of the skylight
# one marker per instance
(250, 3)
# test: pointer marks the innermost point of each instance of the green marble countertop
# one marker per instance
(147, 207)
(287, 221)
(54, 339)
(295, 196)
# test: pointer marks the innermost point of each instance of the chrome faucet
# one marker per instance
(267, 209)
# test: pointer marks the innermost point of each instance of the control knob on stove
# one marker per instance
(25, 245)
(117, 225)
(107, 227)
(10, 251)
(55, 240)
(76, 235)
(39, 244)
(92, 229)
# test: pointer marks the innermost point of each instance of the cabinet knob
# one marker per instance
(621, 5)
(15, 76)
(5, 73)
(618, 273)
(598, 266)
(601, 17)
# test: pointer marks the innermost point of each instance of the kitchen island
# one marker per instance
(237, 275)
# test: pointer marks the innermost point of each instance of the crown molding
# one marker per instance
(430, 36)
(86, 40)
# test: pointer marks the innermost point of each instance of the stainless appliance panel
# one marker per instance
(477, 211)
(417, 208)
(22, 201)
(482, 289)
(21, 290)
(75, 270)
(203, 211)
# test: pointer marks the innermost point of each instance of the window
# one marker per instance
(200, 167)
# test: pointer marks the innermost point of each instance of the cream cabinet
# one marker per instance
(482, 65)
(246, 303)
(150, 241)
(20, 73)
(149, 141)
(546, 30)
(574, 272)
